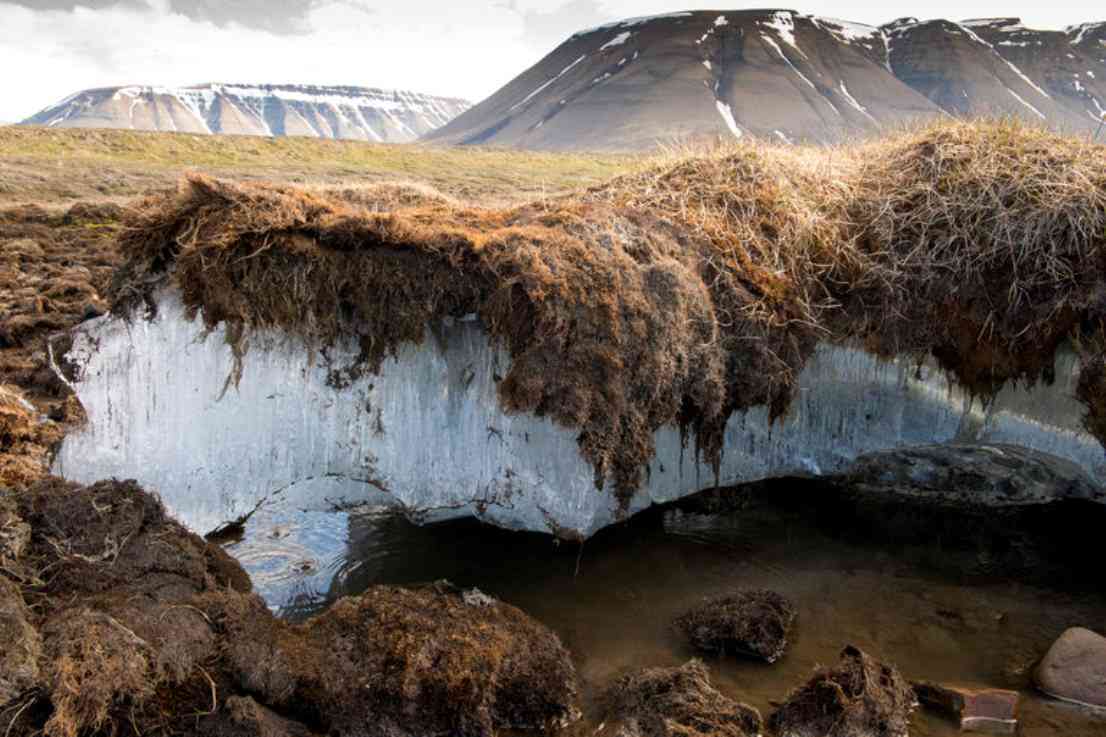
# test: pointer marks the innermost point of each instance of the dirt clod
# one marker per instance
(22, 645)
(755, 622)
(676, 702)
(137, 626)
(15, 534)
(55, 267)
(244, 717)
(424, 662)
(859, 697)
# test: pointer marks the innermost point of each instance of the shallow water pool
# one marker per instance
(952, 601)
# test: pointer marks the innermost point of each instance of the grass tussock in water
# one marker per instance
(676, 702)
(858, 696)
(682, 293)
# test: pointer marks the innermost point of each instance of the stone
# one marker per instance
(1074, 669)
(969, 474)
(977, 709)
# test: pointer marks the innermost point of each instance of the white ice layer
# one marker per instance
(428, 434)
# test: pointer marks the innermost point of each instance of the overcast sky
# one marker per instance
(465, 48)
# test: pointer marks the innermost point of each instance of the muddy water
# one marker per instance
(940, 610)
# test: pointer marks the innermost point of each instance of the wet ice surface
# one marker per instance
(612, 602)
(170, 405)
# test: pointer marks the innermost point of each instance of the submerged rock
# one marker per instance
(959, 474)
(1074, 669)
(858, 696)
(976, 709)
(674, 702)
(755, 623)
(146, 627)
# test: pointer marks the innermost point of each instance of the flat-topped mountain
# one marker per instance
(270, 110)
(782, 74)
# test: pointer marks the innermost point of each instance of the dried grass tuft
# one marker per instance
(680, 294)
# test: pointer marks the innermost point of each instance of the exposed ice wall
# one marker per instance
(428, 433)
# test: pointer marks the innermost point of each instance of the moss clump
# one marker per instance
(423, 661)
(754, 623)
(858, 696)
(676, 702)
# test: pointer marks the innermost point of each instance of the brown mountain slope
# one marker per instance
(997, 66)
(784, 75)
(628, 85)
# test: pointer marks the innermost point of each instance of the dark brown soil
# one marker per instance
(55, 267)
(423, 661)
(859, 697)
(754, 623)
(126, 624)
(676, 702)
(22, 644)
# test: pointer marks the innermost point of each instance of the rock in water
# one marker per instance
(960, 474)
(755, 622)
(859, 696)
(674, 702)
(990, 710)
(1074, 669)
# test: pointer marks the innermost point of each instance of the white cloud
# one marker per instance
(439, 50)
(465, 48)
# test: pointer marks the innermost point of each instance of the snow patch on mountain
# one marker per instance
(783, 23)
(727, 115)
(771, 42)
(617, 40)
(541, 89)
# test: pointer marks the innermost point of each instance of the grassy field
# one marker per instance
(61, 166)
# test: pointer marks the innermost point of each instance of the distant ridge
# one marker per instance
(788, 76)
(357, 113)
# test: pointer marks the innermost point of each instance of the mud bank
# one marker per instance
(170, 404)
